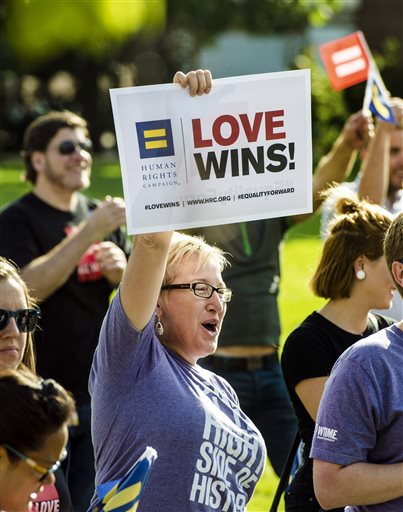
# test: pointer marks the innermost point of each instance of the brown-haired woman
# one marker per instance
(32, 447)
(18, 319)
(352, 274)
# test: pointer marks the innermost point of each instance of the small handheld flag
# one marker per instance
(346, 60)
(124, 495)
(376, 97)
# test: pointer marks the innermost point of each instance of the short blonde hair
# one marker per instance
(184, 246)
(358, 229)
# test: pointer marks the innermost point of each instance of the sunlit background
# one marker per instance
(69, 53)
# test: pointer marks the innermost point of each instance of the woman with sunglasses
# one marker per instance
(18, 319)
(33, 435)
(16, 346)
(147, 388)
(353, 275)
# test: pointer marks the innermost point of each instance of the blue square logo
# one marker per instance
(155, 138)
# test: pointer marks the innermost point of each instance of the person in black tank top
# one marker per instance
(352, 274)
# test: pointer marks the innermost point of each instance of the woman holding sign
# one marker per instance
(147, 388)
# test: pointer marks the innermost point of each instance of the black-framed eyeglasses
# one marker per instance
(67, 147)
(202, 290)
(44, 472)
(26, 319)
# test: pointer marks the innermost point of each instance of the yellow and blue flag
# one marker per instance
(124, 495)
(377, 98)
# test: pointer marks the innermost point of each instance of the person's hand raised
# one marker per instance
(357, 130)
(112, 261)
(198, 82)
(397, 105)
(109, 215)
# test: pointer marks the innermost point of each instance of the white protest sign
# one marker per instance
(242, 152)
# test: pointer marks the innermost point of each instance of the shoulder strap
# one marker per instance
(285, 474)
(374, 320)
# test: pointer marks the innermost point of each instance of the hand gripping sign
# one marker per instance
(242, 152)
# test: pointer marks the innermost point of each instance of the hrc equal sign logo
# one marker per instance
(349, 61)
(346, 60)
(155, 138)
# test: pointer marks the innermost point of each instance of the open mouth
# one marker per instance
(212, 327)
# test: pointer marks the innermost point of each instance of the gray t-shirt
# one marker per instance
(210, 454)
(360, 418)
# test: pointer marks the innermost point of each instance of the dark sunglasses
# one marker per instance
(67, 147)
(26, 319)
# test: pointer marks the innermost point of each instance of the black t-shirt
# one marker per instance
(252, 248)
(310, 351)
(72, 316)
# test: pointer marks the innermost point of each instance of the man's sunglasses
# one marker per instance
(44, 472)
(26, 319)
(67, 147)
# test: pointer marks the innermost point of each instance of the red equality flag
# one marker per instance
(346, 60)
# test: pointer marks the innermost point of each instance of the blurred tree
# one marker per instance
(382, 25)
(329, 108)
(81, 39)
(97, 44)
(192, 23)
(107, 43)
(39, 30)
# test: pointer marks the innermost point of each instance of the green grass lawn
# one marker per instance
(299, 255)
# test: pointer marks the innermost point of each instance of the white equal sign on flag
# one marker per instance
(346, 60)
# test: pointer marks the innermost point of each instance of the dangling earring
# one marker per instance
(360, 274)
(159, 328)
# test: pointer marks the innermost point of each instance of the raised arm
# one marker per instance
(143, 277)
(337, 164)
(145, 270)
(374, 183)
